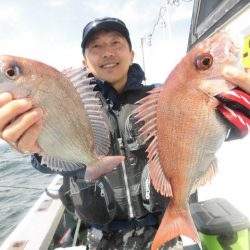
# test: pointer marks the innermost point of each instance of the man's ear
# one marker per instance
(132, 56)
(84, 62)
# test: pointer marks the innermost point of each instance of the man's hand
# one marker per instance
(20, 124)
(235, 107)
(240, 78)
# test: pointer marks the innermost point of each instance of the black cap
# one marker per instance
(107, 23)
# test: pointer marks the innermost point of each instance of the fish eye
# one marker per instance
(204, 61)
(12, 72)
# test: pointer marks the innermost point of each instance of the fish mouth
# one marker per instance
(215, 86)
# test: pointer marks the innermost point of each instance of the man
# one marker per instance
(116, 207)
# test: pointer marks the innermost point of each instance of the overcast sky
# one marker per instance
(51, 30)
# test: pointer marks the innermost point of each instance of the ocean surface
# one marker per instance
(20, 186)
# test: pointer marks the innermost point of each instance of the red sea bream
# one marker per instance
(185, 130)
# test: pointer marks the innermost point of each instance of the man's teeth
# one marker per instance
(109, 65)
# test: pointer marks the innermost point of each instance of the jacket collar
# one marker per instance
(135, 78)
(134, 82)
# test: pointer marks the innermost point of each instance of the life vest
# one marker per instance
(121, 195)
(126, 181)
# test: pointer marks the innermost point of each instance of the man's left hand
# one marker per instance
(235, 104)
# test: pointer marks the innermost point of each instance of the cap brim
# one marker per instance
(108, 26)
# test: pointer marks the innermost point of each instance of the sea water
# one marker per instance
(20, 186)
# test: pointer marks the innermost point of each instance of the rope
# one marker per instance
(176, 2)
(161, 17)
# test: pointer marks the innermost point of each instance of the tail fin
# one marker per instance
(175, 223)
(102, 166)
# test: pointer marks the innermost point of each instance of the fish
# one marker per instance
(75, 125)
(184, 129)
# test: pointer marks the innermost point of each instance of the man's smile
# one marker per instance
(109, 65)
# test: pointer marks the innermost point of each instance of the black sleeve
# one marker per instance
(36, 163)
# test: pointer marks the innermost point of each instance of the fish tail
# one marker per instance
(102, 166)
(175, 223)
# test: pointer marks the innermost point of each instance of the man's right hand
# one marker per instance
(20, 124)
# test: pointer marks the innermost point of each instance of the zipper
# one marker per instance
(130, 208)
(103, 193)
(121, 151)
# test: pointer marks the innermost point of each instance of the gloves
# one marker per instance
(235, 108)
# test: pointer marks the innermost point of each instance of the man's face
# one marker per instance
(108, 57)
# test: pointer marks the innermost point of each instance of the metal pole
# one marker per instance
(142, 49)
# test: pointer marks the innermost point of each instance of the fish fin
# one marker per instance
(60, 165)
(102, 166)
(94, 105)
(147, 112)
(207, 177)
(175, 222)
(159, 180)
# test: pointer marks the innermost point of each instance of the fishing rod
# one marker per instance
(49, 192)
(23, 187)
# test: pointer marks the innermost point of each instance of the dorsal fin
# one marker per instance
(147, 112)
(94, 106)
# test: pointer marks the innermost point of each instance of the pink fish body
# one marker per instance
(186, 131)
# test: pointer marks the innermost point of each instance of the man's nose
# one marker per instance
(108, 51)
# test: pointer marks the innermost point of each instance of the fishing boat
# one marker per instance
(220, 210)
(48, 225)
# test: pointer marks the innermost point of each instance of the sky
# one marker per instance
(50, 30)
